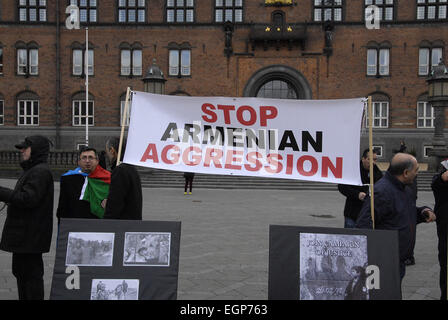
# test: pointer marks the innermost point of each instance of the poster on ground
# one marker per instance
(314, 263)
(314, 140)
(116, 260)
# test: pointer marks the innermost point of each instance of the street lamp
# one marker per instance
(438, 98)
(154, 80)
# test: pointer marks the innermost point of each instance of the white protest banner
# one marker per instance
(315, 140)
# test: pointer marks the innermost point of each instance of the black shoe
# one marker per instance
(410, 261)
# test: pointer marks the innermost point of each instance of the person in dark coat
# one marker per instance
(69, 205)
(189, 176)
(29, 222)
(439, 187)
(356, 194)
(125, 193)
(356, 288)
(395, 207)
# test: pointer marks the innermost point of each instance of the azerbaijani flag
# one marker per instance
(96, 189)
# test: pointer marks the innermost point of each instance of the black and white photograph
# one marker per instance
(147, 249)
(332, 267)
(90, 249)
(114, 289)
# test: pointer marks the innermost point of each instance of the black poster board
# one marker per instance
(117, 260)
(314, 263)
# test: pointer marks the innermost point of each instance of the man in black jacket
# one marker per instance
(394, 205)
(356, 194)
(440, 189)
(125, 192)
(29, 223)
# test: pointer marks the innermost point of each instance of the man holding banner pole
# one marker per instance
(395, 206)
(125, 194)
(356, 194)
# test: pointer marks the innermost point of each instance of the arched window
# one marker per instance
(79, 56)
(131, 59)
(429, 56)
(79, 111)
(27, 109)
(378, 57)
(380, 110)
(278, 89)
(278, 18)
(280, 82)
(179, 59)
(27, 58)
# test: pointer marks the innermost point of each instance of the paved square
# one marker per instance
(225, 239)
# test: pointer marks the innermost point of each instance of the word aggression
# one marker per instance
(262, 150)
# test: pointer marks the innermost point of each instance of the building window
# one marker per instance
(378, 57)
(79, 62)
(87, 10)
(2, 111)
(432, 9)
(32, 10)
(327, 10)
(80, 113)
(385, 7)
(28, 112)
(180, 62)
(27, 61)
(426, 150)
(1, 60)
(277, 89)
(380, 110)
(229, 10)
(425, 115)
(428, 58)
(378, 150)
(131, 61)
(180, 10)
(131, 11)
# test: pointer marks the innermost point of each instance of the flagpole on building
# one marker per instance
(372, 209)
(86, 66)
(123, 124)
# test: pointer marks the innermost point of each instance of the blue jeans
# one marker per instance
(349, 223)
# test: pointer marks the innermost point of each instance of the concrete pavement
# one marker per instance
(225, 239)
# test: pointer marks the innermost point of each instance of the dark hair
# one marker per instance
(358, 269)
(366, 152)
(85, 149)
(114, 142)
(396, 168)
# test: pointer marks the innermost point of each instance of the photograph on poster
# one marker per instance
(147, 249)
(90, 249)
(114, 289)
(332, 267)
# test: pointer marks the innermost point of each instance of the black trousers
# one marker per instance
(188, 183)
(28, 268)
(442, 235)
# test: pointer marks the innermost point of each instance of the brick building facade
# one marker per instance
(270, 48)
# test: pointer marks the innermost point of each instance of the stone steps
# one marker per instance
(158, 178)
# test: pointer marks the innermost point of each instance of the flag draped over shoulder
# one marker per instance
(96, 189)
(75, 171)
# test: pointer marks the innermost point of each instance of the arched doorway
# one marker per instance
(280, 82)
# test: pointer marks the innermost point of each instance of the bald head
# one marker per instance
(404, 167)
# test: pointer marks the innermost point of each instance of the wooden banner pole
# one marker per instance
(123, 123)
(372, 209)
